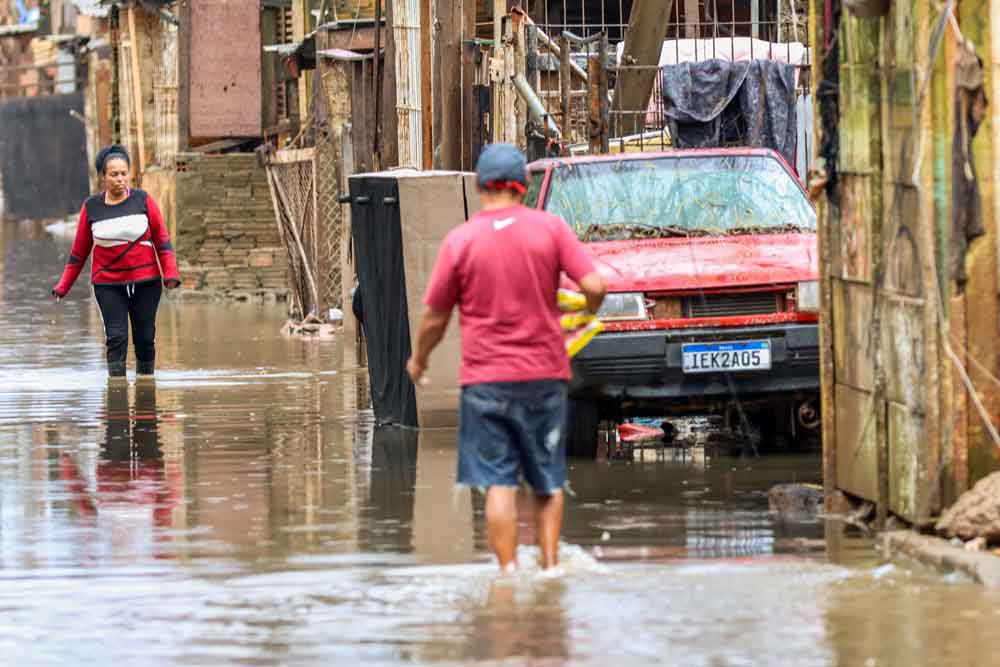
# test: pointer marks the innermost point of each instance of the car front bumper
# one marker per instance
(647, 365)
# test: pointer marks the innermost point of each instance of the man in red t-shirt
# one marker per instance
(502, 269)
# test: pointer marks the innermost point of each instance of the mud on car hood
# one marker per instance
(654, 265)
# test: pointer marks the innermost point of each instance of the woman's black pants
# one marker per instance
(137, 302)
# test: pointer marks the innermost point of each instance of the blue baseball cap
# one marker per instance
(502, 167)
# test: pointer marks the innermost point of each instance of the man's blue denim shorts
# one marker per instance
(514, 431)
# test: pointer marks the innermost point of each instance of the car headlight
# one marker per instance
(807, 297)
(629, 306)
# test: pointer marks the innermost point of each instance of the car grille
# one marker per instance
(803, 358)
(617, 367)
(726, 305)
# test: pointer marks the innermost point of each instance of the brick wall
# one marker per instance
(225, 232)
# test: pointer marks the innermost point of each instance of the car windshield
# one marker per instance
(679, 196)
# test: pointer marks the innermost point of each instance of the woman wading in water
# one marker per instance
(133, 260)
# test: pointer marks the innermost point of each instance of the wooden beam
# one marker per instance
(449, 91)
(300, 22)
(565, 92)
(427, 115)
(468, 65)
(692, 19)
(184, 77)
(137, 98)
(647, 28)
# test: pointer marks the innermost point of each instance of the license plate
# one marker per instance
(750, 355)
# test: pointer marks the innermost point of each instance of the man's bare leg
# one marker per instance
(501, 524)
(548, 525)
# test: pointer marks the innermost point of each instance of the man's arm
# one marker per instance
(433, 324)
(594, 288)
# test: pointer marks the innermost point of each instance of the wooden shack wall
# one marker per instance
(899, 426)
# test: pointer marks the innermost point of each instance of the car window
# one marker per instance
(679, 196)
(535, 180)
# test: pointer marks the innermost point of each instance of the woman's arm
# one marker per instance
(161, 242)
(82, 245)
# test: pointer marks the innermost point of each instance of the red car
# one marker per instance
(712, 265)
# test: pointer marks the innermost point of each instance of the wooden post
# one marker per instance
(449, 87)
(427, 98)
(183, 78)
(137, 97)
(469, 104)
(499, 72)
(517, 133)
(565, 90)
(692, 18)
(598, 98)
(300, 21)
(647, 28)
(377, 87)
(602, 91)
(828, 433)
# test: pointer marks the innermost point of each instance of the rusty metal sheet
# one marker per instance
(857, 463)
(225, 72)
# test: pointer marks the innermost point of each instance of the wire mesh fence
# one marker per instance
(291, 176)
(564, 43)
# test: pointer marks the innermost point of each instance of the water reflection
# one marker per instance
(126, 493)
(387, 518)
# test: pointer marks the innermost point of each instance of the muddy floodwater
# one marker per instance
(243, 510)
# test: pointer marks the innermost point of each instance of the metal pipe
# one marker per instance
(535, 105)
(554, 48)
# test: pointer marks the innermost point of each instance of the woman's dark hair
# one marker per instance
(112, 152)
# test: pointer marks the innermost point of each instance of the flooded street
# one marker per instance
(243, 510)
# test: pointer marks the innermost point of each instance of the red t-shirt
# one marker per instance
(502, 269)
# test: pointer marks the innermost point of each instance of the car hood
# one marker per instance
(712, 262)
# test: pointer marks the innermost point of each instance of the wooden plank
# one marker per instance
(856, 442)
(427, 116)
(468, 65)
(293, 155)
(300, 27)
(448, 136)
(184, 76)
(269, 68)
(225, 74)
(565, 92)
(137, 97)
(982, 264)
(692, 18)
(647, 28)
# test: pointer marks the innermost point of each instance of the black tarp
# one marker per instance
(43, 156)
(715, 103)
(378, 251)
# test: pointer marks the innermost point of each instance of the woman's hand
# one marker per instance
(171, 284)
(57, 296)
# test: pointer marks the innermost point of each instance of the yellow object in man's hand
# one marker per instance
(583, 326)
(582, 337)
(570, 301)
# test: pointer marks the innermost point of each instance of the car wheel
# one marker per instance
(582, 429)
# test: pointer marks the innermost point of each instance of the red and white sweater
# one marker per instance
(129, 237)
